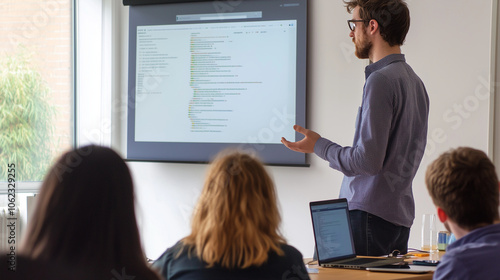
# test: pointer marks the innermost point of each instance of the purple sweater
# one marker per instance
(389, 143)
(474, 256)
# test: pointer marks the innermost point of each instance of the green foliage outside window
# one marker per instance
(26, 119)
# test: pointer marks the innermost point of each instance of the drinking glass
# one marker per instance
(429, 233)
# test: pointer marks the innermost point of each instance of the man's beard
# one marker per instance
(363, 48)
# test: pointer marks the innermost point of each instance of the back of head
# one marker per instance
(463, 183)
(85, 213)
(393, 17)
(236, 221)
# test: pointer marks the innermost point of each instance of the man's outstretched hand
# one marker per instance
(306, 145)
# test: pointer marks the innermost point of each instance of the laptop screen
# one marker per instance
(332, 230)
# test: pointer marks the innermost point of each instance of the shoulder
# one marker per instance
(169, 252)
(398, 75)
(379, 91)
(163, 262)
(393, 71)
(291, 257)
(448, 267)
(470, 260)
(290, 251)
(291, 264)
(379, 83)
(378, 77)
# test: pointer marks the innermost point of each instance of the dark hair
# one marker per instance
(85, 216)
(463, 183)
(392, 16)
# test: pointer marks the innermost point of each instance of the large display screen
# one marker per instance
(205, 76)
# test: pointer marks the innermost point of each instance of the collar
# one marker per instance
(383, 63)
(476, 234)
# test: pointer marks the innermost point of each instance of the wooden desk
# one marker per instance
(352, 274)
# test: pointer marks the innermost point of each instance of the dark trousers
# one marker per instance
(374, 236)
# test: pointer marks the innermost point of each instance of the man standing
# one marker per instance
(391, 132)
(463, 185)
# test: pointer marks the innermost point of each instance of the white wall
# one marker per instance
(448, 46)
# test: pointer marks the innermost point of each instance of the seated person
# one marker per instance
(235, 229)
(84, 218)
(464, 187)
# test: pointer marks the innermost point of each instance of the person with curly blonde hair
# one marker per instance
(235, 228)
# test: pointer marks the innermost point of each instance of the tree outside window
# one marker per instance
(36, 85)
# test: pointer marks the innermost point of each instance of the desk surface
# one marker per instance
(352, 274)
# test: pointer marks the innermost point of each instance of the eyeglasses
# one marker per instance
(352, 23)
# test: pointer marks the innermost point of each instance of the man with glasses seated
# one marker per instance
(391, 131)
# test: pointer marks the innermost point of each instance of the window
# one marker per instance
(36, 100)
(36, 85)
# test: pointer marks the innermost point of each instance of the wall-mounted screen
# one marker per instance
(205, 76)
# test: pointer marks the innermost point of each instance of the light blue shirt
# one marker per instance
(474, 256)
(389, 142)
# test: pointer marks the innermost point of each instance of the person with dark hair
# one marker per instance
(464, 187)
(391, 132)
(84, 218)
(234, 229)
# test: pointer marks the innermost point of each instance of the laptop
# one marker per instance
(333, 236)
(412, 269)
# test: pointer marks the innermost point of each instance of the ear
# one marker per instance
(442, 215)
(373, 26)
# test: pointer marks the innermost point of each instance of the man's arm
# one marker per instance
(367, 154)
(369, 150)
